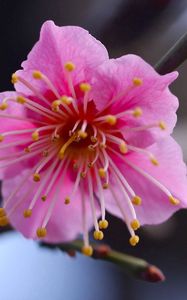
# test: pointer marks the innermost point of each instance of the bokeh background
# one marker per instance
(144, 27)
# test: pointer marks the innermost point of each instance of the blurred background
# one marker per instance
(144, 27)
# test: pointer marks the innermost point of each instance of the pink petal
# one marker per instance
(56, 46)
(115, 77)
(66, 220)
(171, 172)
(10, 124)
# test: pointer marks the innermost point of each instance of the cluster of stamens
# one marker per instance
(66, 137)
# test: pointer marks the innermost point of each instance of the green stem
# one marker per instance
(134, 266)
(174, 57)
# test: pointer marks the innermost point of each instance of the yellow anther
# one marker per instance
(137, 112)
(110, 119)
(20, 99)
(137, 200)
(1, 138)
(154, 161)
(35, 136)
(37, 75)
(65, 146)
(69, 66)
(123, 148)
(55, 104)
(41, 232)
(2, 212)
(103, 224)
(102, 173)
(3, 106)
(67, 200)
(14, 78)
(91, 148)
(174, 201)
(162, 125)
(105, 186)
(82, 134)
(134, 240)
(36, 177)
(137, 81)
(4, 221)
(44, 197)
(87, 250)
(98, 235)
(27, 213)
(93, 139)
(85, 87)
(66, 100)
(102, 145)
(135, 224)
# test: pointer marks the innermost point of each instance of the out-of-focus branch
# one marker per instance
(134, 266)
(174, 57)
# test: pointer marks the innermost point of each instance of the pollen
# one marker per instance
(87, 250)
(37, 75)
(36, 177)
(82, 134)
(67, 200)
(14, 78)
(103, 224)
(98, 235)
(137, 81)
(102, 173)
(174, 201)
(137, 112)
(2, 212)
(1, 138)
(137, 200)
(85, 87)
(110, 119)
(27, 213)
(66, 100)
(162, 125)
(4, 221)
(3, 106)
(134, 240)
(135, 224)
(41, 232)
(93, 139)
(20, 99)
(154, 161)
(35, 136)
(69, 66)
(123, 148)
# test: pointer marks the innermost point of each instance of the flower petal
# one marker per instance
(114, 79)
(66, 220)
(171, 172)
(56, 46)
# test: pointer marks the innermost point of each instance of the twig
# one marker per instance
(134, 266)
(174, 57)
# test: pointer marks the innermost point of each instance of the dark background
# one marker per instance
(147, 28)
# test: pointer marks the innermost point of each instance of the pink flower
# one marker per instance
(85, 134)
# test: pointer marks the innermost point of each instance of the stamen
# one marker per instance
(16, 79)
(92, 204)
(66, 145)
(146, 152)
(110, 119)
(82, 133)
(87, 249)
(39, 75)
(100, 197)
(85, 87)
(69, 67)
